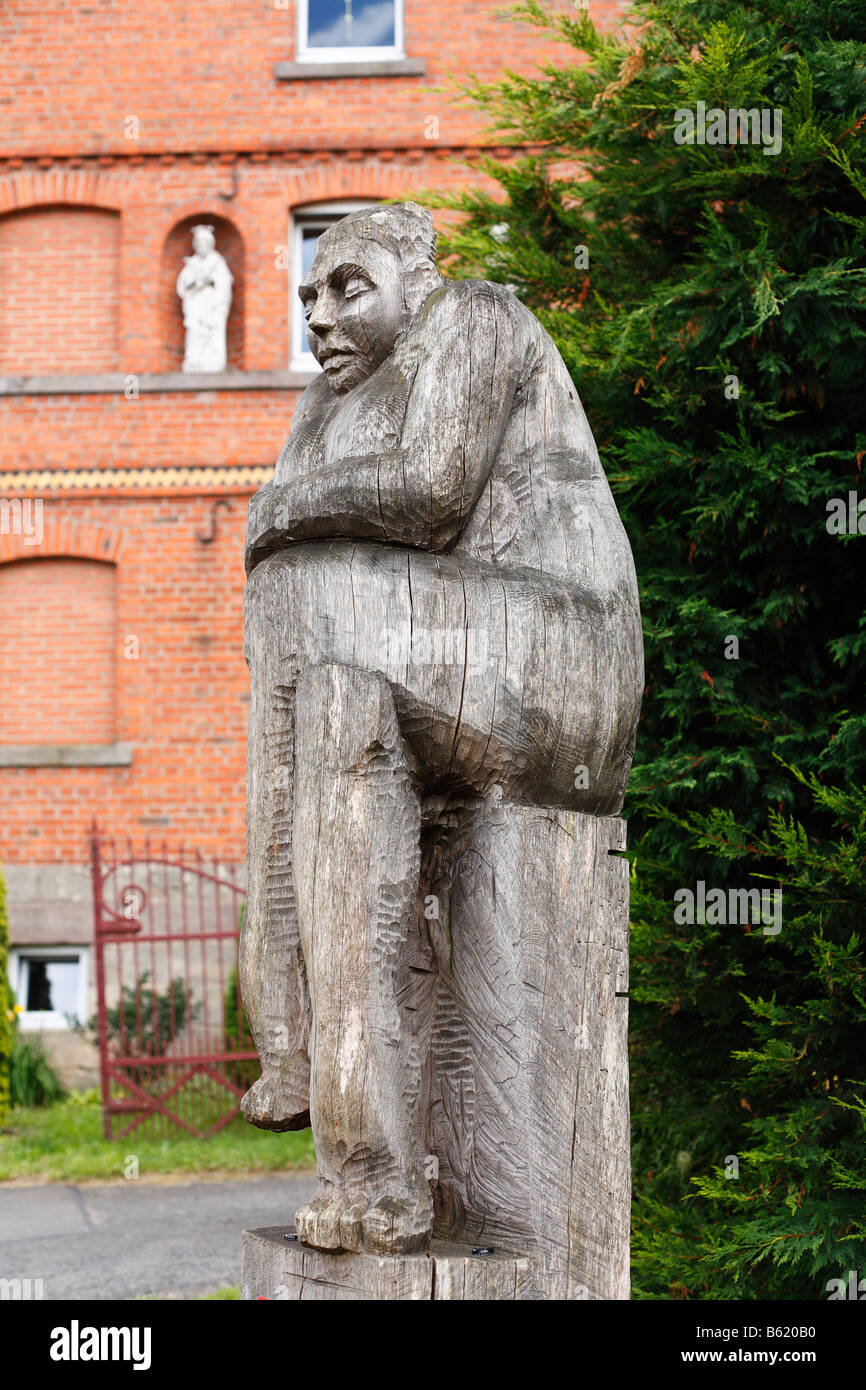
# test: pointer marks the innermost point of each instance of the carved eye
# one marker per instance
(309, 306)
(355, 287)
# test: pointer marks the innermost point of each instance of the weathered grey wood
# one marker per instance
(444, 643)
(539, 933)
(278, 1270)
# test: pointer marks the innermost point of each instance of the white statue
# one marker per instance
(205, 287)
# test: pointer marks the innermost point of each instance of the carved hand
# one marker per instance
(267, 509)
(342, 501)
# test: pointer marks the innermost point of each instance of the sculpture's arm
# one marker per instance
(420, 494)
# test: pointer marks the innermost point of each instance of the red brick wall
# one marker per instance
(182, 701)
(159, 430)
(57, 655)
(200, 76)
(59, 290)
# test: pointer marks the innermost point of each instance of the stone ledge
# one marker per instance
(386, 67)
(115, 383)
(66, 755)
(286, 1271)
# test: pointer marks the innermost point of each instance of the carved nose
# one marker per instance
(322, 318)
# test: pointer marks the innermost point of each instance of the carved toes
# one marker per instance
(389, 1226)
(318, 1222)
(397, 1225)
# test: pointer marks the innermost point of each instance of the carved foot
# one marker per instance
(272, 1104)
(397, 1225)
(389, 1226)
(331, 1221)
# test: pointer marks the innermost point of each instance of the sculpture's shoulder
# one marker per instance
(476, 305)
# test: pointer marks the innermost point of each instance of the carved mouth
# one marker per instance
(336, 358)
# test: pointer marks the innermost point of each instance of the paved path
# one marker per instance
(120, 1240)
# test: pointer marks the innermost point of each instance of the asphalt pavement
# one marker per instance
(166, 1239)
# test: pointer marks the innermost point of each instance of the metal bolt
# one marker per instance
(290, 1235)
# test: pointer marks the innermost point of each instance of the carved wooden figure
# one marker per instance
(444, 641)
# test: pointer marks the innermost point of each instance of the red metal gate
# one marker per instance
(174, 1048)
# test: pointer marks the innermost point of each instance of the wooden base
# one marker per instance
(281, 1270)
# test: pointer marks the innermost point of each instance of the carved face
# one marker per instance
(354, 298)
(202, 241)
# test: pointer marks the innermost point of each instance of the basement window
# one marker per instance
(50, 985)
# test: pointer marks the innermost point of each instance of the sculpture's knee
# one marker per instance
(346, 717)
(302, 609)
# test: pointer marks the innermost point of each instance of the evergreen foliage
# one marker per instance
(710, 303)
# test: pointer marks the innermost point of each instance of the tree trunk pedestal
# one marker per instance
(281, 1270)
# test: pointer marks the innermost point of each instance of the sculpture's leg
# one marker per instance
(356, 856)
(481, 1119)
(272, 971)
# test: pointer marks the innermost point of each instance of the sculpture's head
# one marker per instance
(371, 274)
(203, 240)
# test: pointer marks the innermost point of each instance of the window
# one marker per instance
(307, 226)
(50, 984)
(331, 30)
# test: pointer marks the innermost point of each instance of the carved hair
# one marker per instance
(405, 228)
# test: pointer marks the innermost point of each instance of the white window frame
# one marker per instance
(49, 1020)
(384, 53)
(324, 214)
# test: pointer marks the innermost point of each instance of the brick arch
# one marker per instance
(177, 243)
(162, 221)
(96, 188)
(64, 539)
(342, 179)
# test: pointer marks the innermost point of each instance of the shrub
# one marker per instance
(34, 1083)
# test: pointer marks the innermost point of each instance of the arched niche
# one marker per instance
(178, 244)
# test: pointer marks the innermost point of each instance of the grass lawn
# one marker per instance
(229, 1295)
(64, 1143)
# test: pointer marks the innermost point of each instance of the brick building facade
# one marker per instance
(123, 690)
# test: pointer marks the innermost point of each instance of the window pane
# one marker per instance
(309, 242)
(52, 984)
(351, 24)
